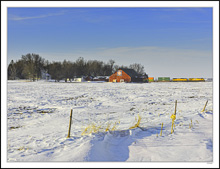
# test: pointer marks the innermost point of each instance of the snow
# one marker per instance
(38, 121)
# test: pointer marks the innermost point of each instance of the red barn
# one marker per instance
(125, 75)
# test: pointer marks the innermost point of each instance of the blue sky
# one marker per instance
(174, 42)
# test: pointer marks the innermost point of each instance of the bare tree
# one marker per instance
(111, 63)
(137, 67)
(33, 64)
(55, 70)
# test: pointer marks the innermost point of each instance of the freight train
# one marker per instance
(188, 80)
(168, 79)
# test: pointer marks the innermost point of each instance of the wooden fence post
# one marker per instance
(175, 107)
(161, 129)
(70, 123)
(173, 117)
(205, 106)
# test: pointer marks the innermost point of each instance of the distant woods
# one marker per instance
(32, 66)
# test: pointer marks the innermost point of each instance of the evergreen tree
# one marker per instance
(11, 71)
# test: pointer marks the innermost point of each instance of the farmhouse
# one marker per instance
(125, 75)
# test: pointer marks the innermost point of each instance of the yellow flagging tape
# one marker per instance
(173, 117)
(137, 124)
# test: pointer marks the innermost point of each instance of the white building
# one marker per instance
(45, 75)
(79, 79)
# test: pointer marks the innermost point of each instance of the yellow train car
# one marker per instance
(179, 80)
(196, 80)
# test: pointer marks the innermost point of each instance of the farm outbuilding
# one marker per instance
(125, 75)
(101, 78)
(79, 79)
(48, 76)
(45, 75)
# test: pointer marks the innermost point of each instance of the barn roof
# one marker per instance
(130, 72)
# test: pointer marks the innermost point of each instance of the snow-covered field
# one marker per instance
(39, 112)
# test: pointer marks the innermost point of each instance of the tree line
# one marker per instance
(31, 66)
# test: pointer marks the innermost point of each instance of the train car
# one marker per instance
(150, 79)
(196, 80)
(208, 79)
(179, 80)
(163, 79)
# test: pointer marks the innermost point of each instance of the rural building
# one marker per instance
(48, 76)
(45, 75)
(101, 78)
(79, 79)
(144, 78)
(89, 78)
(125, 75)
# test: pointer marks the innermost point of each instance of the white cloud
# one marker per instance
(18, 18)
